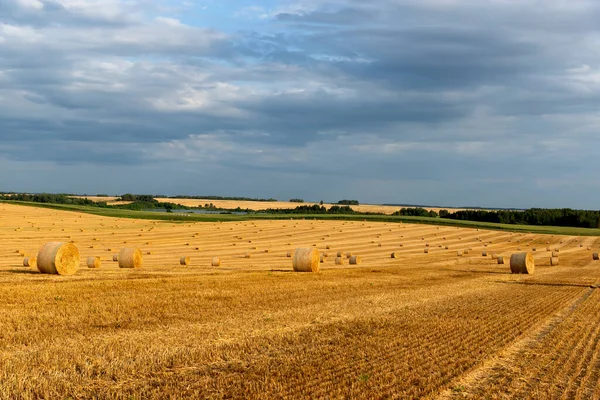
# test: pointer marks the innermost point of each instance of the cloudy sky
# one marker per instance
(443, 102)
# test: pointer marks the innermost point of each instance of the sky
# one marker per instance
(492, 103)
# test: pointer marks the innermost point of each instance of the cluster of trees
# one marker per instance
(349, 202)
(51, 198)
(220, 198)
(532, 216)
(138, 197)
(314, 209)
(416, 212)
(296, 200)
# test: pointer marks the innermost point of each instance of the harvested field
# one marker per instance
(262, 205)
(418, 325)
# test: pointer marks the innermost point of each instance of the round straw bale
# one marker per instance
(184, 260)
(130, 258)
(58, 258)
(115, 257)
(494, 255)
(533, 249)
(339, 261)
(484, 253)
(466, 251)
(395, 254)
(349, 254)
(306, 260)
(215, 262)
(94, 262)
(522, 263)
(248, 255)
(426, 250)
(459, 253)
(323, 258)
(340, 254)
(555, 254)
(355, 260)
(589, 247)
(500, 259)
(288, 254)
(553, 261)
(595, 256)
(30, 262)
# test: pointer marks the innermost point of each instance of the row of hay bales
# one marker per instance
(309, 259)
(524, 263)
(61, 258)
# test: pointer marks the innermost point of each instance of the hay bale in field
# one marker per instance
(58, 258)
(547, 248)
(323, 258)
(395, 255)
(184, 260)
(459, 253)
(339, 261)
(533, 249)
(115, 257)
(522, 263)
(328, 247)
(553, 261)
(494, 255)
(355, 260)
(94, 262)
(248, 255)
(555, 254)
(349, 254)
(484, 253)
(589, 247)
(215, 262)
(426, 244)
(288, 254)
(306, 260)
(466, 251)
(130, 257)
(595, 256)
(30, 262)
(340, 254)
(500, 259)
(426, 251)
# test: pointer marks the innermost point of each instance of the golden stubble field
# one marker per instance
(262, 205)
(419, 326)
